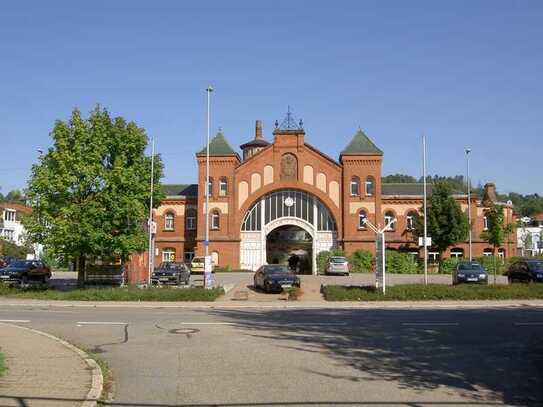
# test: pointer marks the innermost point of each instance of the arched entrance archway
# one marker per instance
(286, 207)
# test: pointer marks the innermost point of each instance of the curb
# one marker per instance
(97, 380)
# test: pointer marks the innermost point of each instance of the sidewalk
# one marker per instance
(43, 371)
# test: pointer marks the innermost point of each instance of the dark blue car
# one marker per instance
(275, 278)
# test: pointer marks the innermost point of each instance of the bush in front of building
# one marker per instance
(401, 263)
(361, 261)
(322, 258)
(448, 265)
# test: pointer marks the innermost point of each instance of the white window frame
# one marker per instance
(168, 255)
(223, 186)
(362, 215)
(372, 183)
(409, 222)
(210, 186)
(169, 221)
(392, 227)
(191, 222)
(457, 254)
(485, 223)
(487, 252)
(355, 181)
(10, 215)
(9, 234)
(215, 220)
(433, 257)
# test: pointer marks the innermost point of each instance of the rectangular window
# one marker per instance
(354, 188)
(169, 223)
(191, 223)
(9, 234)
(369, 188)
(223, 188)
(9, 215)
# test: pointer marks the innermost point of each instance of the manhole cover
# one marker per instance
(184, 331)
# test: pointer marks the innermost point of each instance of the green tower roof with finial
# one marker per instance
(361, 144)
(218, 146)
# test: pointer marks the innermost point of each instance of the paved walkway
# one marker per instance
(42, 372)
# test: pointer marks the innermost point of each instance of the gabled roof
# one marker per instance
(218, 146)
(361, 144)
(179, 189)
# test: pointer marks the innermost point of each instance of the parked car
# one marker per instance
(6, 260)
(197, 265)
(337, 265)
(25, 271)
(469, 272)
(172, 273)
(275, 277)
(525, 271)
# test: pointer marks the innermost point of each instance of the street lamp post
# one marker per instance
(209, 89)
(425, 204)
(151, 258)
(468, 151)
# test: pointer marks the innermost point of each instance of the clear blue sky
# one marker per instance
(464, 72)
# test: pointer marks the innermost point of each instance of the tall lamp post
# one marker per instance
(425, 210)
(209, 89)
(468, 151)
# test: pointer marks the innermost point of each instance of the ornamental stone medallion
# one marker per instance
(289, 167)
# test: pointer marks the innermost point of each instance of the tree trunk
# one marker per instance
(80, 263)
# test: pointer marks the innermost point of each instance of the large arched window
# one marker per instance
(362, 218)
(215, 219)
(355, 186)
(168, 255)
(223, 186)
(169, 221)
(191, 219)
(389, 220)
(288, 203)
(370, 186)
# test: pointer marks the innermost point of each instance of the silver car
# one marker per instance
(337, 265)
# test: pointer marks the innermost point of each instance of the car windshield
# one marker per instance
(20, 264)
(275, 269)
(338, 259)
(171, 266)
(470, 266)
(536, 265)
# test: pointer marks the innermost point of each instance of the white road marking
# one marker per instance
(430, 323)
(528, 323)
(100, 323)
(271, 322)
(22, 321)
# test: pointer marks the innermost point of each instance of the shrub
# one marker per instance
(448, 265)
(361, 261)
(322, 258)
(401, 263)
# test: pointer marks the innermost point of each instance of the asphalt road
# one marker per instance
(260, 357)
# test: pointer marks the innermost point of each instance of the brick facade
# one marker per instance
(290, 163)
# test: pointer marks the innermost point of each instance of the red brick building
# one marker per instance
(286, 196)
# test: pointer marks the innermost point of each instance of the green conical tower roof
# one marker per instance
(218, 146)
(361, 144)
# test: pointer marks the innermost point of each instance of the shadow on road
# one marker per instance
(486, 357)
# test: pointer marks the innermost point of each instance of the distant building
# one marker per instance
(530, 236)
(286, 196)
(11, 227)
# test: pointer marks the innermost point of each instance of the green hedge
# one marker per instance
(436, 292)
(401, 263)
(322, 258)
(361, 261)
(3, 367)
(114, 294)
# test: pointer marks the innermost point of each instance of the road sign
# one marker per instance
(428, 241)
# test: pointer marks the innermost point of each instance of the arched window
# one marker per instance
(457, 253)
(355, 186)
(370, 186)
(169, 221)
(191, 219)
(487, 252)
(223, 186)
(168, 255)
(389, 218)
(410, 220)
(215, 219)
(210, 187)
(362, 218)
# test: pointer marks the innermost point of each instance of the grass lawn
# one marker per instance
(114, 294)
(420, 292)
(3, 367)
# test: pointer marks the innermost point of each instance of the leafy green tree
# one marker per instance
(497, 230)
(90, 191)
(447, 224)
(398, 178)
(8, 248)
(361, 261)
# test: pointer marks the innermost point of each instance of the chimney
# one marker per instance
(258, 130)
(489, 194)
